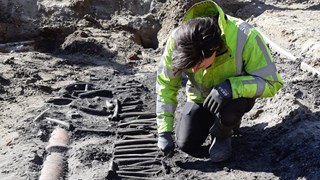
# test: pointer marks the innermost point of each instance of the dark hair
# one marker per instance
(195, 40)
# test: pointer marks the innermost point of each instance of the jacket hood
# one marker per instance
(205, 9)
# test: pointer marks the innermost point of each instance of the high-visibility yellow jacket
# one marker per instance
(245, 61)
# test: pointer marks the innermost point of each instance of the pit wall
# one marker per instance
(17, 19)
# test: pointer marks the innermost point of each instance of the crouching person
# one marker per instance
(228, 66)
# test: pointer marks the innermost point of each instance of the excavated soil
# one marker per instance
(76, 61)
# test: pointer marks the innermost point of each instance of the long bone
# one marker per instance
(128, 137)
(136, 146)
(144, 163)
(136, 141)
(150, 155)
(129, 161)
(135, 151)
(136, 122)
(141, 114)
(139, 174)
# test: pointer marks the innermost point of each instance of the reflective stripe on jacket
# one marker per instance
(245, 61)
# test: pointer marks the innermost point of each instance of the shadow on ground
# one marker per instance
(288, 150)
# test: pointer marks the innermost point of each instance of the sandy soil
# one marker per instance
(83, 46)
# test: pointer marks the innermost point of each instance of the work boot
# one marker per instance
(220, 149)
(236, 129)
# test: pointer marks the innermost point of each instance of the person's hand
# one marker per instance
(218, 97)
(165, 142)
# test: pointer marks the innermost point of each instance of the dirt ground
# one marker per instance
(52, 53)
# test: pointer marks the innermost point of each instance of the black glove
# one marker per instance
(165, 142)
(218, 97)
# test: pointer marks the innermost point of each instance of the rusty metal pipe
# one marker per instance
(54, 164)
(58, 141)
(53, 167)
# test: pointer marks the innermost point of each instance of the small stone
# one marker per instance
(84, 34)
(73, 115)
(226, 169)
(89, 18)
(9, 61)
(133, 56)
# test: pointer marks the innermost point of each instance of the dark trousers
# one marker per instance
(192, 128)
